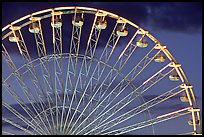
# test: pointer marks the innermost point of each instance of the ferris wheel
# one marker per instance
(80, 70)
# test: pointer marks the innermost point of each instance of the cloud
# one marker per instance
(169, 16)
(175, 16)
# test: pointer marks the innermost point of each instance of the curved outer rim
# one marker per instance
(95, 10)
(115, 16)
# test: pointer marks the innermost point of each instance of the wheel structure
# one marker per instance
(80, 70)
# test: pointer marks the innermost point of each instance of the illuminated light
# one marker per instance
(34, 28)
(173, 112)
(160, 58)
(174, 77)
(185, 86)
(142, 44)
(184, 98)
(79, 21)
(15, 28)
(174, 65)
(159, 46)
(101, 14)
(100, 24)
(122, 31)
(35, 18)
(57, 23)
(57, 13)
(121, 21)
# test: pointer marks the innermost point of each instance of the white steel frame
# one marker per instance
(50, 102)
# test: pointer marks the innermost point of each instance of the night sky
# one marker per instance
(177, 25)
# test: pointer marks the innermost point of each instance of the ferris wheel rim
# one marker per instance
(112, 16)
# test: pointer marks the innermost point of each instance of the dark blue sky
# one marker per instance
(175, 24)
(178, 16)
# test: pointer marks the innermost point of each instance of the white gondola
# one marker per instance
(160, 58)
(190, 122)
(174, 77)
(122, 31)
(184, 98)
(78, 21)
(34, 28)
(101, 24)
(142, 44)
(12, 38)
(57, 23)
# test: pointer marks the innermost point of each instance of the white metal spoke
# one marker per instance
(26, 90)
(39, 129)
(32, 73)
(20, 102)
(101, 79)
(139, 109)
(90, 49)
(150, 122)
(16, 125)
(101, 101)
(105, 54)
(74, 48)
(142, 88)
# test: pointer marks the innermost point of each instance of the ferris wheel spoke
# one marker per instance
(17, 114)
(43, 58)
(123, 59)
(26, 90)
(17, 126)
(21, 102)
(48, 85)
(110, 41)
(7, 133)
(139, 109)
(90, 49)
(146, 123)
(92, 42)
(32, 73)
(85, 91)
(42, 103)
(74, 48)
(18, 100)
(57, 45)
(120, 85)
(142, 63)
(40, 44)
(16, 73)
(142, 88)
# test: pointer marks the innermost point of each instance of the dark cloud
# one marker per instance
(168, 16)
(173, 16)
